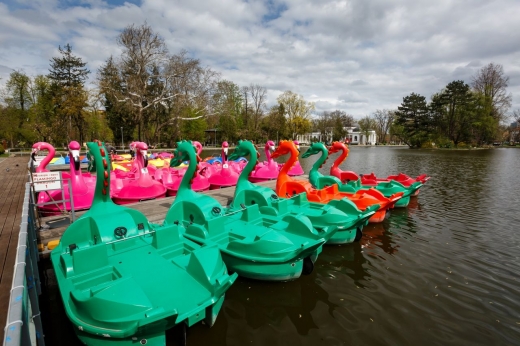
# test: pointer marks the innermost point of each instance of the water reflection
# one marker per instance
(252, 305)
(375, 236)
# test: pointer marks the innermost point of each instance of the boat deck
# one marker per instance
(155, 210)
(13, 176)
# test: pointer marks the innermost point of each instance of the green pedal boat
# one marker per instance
(336, 226)
(320, 181)
(251, 245)
(125, 281)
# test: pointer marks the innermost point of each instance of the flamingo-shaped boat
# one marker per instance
(127, 167)
(82, 186)
(268, 170)
(36, 148)
(251, 246)
(287, 187)
(337, 225)
(225, 176)
(319, 181)
(387, 183)
(142, 186)
(216, 160)
(199, 181)
(171, 176)
(125, 281)
(205, 166)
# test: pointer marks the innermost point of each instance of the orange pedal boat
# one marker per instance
(363, 199)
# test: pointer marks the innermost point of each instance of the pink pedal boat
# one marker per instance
(225, 176)
(199, 182)
(83, 186)
(140, 188)
(268, 170)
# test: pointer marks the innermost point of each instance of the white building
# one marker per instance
(354, 136)
(309, 137)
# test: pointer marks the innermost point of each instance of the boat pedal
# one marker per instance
(61, 222)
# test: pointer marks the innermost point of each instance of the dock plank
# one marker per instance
(13, 176)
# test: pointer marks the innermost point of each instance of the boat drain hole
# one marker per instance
(120, 232)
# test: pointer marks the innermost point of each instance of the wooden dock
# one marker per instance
(13, 176)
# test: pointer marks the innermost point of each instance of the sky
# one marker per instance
(356, 56)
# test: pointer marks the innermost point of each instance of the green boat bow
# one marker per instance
(252, 245)
(338, 224)
(124, 281)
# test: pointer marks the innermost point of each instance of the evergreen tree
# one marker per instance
(453, 111)
(414, 118)
(68, 75)
(109, 81)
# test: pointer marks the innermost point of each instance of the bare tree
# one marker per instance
(144, 56)
(383, 120)
(258, 106)
(192, 92)
(366, 124)
(491, 83)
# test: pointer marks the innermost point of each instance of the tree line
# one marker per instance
(458, 115)
(145, 94)
(148, 94)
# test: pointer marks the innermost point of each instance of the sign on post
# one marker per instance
(46, 181)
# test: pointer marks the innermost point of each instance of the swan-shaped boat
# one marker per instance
(287, 186)
(370, 179)
(339, 225)
(82, 185)
(125, 281)
(142, 186)
(401, 178)
(388, 189)
(297, 168)
(251, 246)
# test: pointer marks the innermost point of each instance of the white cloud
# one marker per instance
(356, 55)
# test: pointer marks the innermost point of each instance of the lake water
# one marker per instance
(443, 271)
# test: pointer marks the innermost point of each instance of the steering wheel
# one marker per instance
(120, 232)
